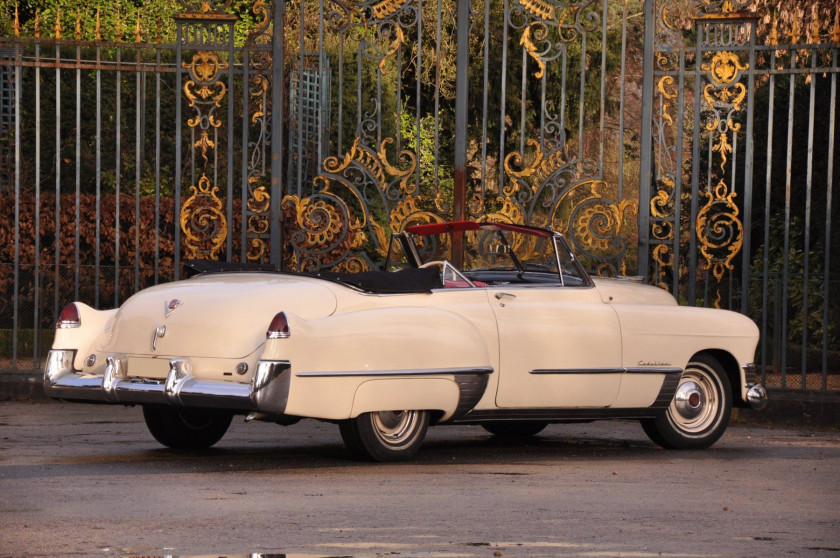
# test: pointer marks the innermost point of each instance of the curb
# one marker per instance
(802, 409)
(797, 408)
(22, 387)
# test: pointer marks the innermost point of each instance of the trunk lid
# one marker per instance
(213, 316)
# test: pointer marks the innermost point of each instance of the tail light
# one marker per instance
(278, 328)
(69, 317)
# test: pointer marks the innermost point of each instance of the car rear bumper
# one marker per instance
(267, 392)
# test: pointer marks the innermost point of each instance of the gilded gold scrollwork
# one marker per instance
(539, 169)
(386, 8)
(202, 221)
(339, 212)
(540, 9)
(393, 47)
(719, 229)
(594, 221)
(539, 32)
(204, 91)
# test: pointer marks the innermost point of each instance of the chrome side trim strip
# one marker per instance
(398, 373)
(561, 371)
(632, 370)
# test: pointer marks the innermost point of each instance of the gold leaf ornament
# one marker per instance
(203, 223)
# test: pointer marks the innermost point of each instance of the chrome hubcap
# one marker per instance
(689, 400)
(395, 427)
(696, 405)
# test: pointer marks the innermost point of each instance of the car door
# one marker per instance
(558, 347)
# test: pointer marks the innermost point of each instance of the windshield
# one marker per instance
(497, 255)
(508, 251)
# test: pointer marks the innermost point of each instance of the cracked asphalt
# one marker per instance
(86, 480)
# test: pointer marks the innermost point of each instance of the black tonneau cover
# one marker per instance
(381, 282)
(388, 282)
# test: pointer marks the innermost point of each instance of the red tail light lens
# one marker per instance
(279, 327)
(69, 317)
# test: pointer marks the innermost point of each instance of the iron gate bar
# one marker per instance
(767, 195)
(278, 100)
(36, 325)
(246, 60)
(178, 116)
(76, 259)
(484, 98)
(16, 270)
(806, 255)
(785, 269)
(829, 186)
(646, 147)
(621, 102)
(98, 178)
(138, 109)
(118, 178)
(748, 173)
(157, 165)
(57, 174)
(678, 176)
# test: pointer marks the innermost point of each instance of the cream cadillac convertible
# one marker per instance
(470, 323)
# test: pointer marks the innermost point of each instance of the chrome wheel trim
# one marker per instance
(697, 402)
(395, 428)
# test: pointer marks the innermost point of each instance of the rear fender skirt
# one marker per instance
(400, 389)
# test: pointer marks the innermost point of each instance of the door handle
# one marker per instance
(500, 296)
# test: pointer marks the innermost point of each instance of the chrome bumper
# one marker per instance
(267, 392)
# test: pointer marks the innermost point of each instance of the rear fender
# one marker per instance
(83, 338)
(378, 360)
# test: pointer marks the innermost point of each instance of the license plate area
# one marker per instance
(156, 368)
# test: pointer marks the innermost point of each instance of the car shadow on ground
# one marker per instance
(478, 448)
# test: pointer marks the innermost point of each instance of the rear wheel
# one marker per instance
(186, 428)
(385, 435)
(512, 430)
(699, 412)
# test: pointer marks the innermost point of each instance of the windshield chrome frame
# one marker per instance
(560, 242)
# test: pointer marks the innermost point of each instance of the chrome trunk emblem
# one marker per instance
(170, 306)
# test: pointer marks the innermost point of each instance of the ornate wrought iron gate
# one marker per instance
(303, 133)
(740, 127)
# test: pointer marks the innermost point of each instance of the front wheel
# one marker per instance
(385, 435)
(186, 428)
(699, 412)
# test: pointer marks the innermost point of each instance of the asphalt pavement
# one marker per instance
(86, 480)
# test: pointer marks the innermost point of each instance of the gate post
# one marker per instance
(278, 78)
(461, 107)
(646, 163)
